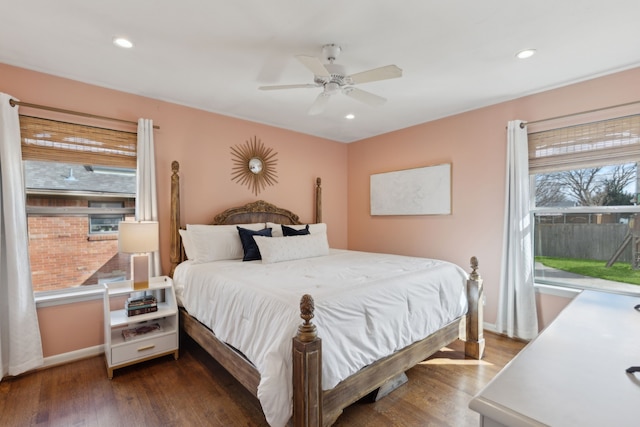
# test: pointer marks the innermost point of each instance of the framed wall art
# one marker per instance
(419, 191)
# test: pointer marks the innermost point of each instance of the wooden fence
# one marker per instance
(582, 241)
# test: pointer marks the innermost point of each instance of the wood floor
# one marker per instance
(196, 391)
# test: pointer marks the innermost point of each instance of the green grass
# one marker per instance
(618, 272)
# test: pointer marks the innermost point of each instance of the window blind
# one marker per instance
(51, 140)
(607, 142)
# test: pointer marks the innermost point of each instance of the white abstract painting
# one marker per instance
(420, 191)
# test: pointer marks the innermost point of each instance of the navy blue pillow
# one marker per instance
(290, 231)
(251, 251)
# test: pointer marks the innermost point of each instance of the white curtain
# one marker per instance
(146, 197)
(20, 344)
(517, 315)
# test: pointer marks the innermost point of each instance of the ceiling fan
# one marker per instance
(333, 79)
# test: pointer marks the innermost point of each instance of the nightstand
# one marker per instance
(136, 338)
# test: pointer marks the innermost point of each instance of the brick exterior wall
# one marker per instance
(62, 252)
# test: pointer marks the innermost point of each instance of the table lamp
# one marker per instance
(138, 238)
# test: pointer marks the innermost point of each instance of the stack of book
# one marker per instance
(140, 305)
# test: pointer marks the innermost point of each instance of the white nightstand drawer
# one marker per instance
(143, 348)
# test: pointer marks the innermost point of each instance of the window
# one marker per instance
(585, 215)
(80, 183)
(104, 223)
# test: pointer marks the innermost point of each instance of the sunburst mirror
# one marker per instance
(254, 165)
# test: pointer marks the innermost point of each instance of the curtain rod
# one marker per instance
(13, 103)
(523, 124)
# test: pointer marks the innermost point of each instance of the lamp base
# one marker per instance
(140, 286)
(140, 271)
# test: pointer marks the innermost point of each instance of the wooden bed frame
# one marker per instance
(311, 405)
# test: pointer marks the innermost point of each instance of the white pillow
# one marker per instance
(217, 242)
(189, 248)
(277, 249)
(276, 229)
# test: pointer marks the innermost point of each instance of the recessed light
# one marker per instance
(350, 116)
(527, 53)
(122, 42)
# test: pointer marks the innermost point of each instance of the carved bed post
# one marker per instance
(307, 370)
(474, 344)
(174, 227)
(318, 201)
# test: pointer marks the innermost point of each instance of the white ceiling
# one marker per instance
(456, 55)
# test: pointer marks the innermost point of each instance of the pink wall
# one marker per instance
(548, 307)
(201, 142)
(474, 143)
(69, 327)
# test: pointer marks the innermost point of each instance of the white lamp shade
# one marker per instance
(138, 237)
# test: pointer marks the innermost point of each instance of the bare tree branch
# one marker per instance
(586, 187)
(549, 190)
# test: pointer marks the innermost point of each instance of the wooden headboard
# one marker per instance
(259, 211)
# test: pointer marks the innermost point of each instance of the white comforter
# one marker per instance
(367, 307)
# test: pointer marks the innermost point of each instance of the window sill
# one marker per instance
(556, 290)
(568, 291)
(68, 296)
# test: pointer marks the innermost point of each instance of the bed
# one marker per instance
(306, 371)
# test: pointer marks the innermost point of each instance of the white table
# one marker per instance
(574, 372)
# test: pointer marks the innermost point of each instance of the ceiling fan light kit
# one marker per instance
(332, 78)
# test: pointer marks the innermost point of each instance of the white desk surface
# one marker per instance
(573, 373)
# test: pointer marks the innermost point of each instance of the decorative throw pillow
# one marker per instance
(251, 251)
(313, 228)
(278, 249)
(290, 231)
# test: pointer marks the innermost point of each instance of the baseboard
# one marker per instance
(491, 327)
(72, 356)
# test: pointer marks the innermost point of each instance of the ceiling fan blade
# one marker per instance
(382, 73)
(318, 105)
(364, 96)
(314, 65)
(278, 87)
